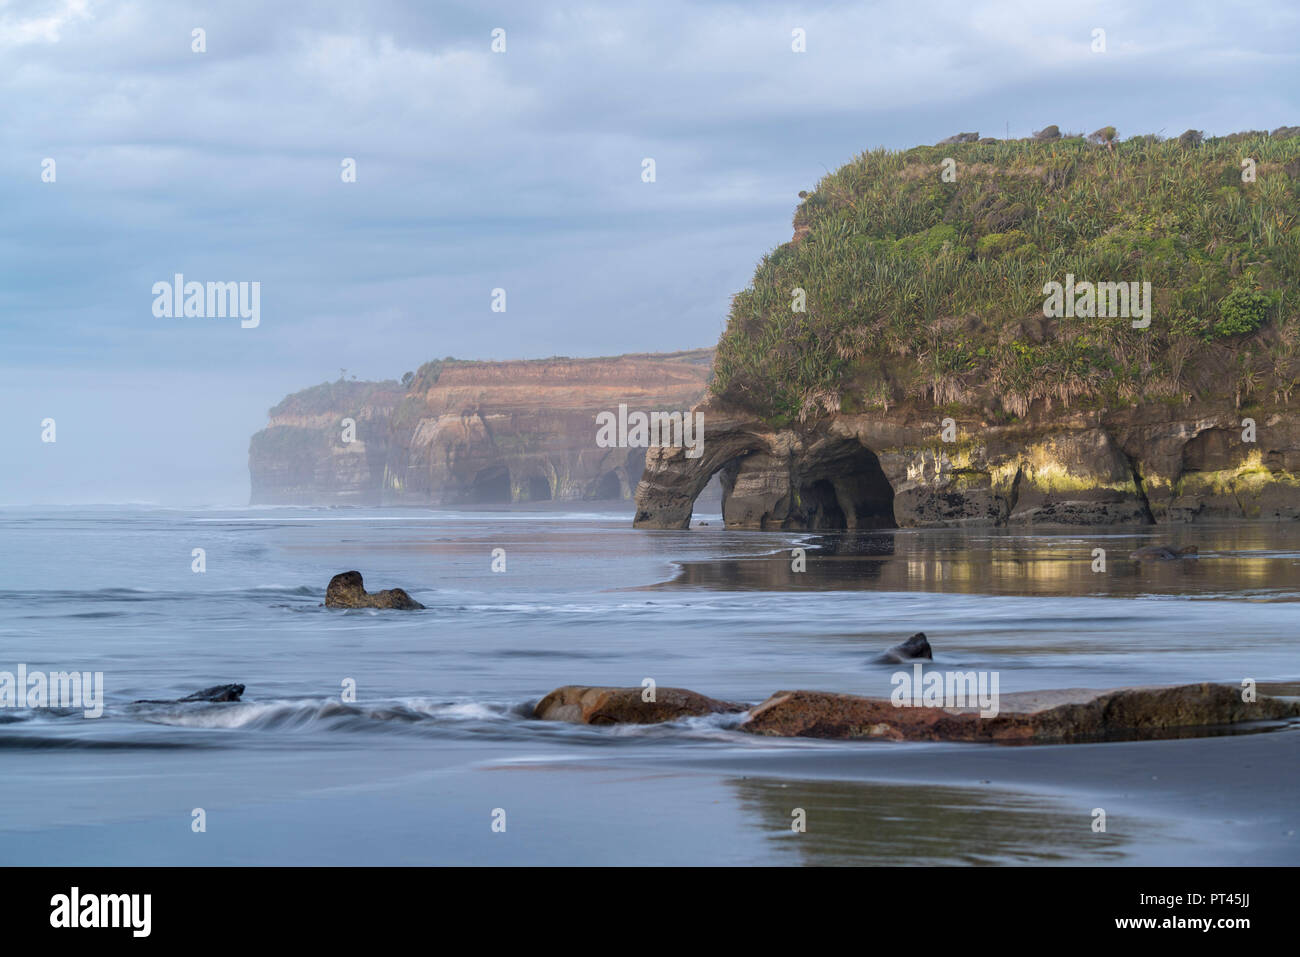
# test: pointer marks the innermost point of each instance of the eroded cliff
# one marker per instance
(1050, 331)
(895, 469)
(461, 432)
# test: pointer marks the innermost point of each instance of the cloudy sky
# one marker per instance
(477, 170)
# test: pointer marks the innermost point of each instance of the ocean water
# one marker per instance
(439, 745)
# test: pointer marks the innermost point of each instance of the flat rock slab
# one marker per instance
(1071, 714)
(586, 705)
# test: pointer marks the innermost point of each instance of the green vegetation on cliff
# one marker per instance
(919, 289)
(342, 397)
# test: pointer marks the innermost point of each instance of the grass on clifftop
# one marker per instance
(924, 290)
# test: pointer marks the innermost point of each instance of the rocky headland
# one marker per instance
(462, 432)
(956, 335)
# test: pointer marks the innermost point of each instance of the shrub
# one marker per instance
(1242, 311)
(899, 266)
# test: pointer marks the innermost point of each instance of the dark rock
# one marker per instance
(1163, 553)
(346, 590)
(916, 648)
(959, 138)
(585, 705)
(215, 693)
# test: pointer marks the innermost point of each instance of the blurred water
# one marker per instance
(443, 695)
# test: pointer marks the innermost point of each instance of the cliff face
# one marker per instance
(1050, 331)
(1142, 466)
(468, 432)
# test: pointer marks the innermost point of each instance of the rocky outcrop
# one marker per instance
(347, 590)
(904, 468)
(1040, 716)
(1037, 716)
(582, 705)
(468, 432)
(217, 693)
(916, 648)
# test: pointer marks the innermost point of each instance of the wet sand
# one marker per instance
(438, 741)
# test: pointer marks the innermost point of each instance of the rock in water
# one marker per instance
(346, 590)
(583, 705)
(916, 648)
(215, 693)
(1163, 553)
(1068, 715)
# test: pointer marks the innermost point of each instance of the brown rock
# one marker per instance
(347, 590)
(1074, 714)
(582, 705)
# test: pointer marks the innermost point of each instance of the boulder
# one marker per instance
(1074, 714)
(916, 648)
(585, 705)
(215, 693)
(346, 590)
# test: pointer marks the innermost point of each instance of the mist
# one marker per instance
(476, 170)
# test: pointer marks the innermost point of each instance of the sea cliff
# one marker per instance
(1061, 330)
(464, 432)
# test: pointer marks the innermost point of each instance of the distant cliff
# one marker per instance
(460, 432)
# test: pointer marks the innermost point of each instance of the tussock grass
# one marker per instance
(925, 291)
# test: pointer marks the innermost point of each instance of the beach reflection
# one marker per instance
(872, 824)
(1244, 560)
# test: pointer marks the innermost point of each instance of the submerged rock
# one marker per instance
(1163, 553)
(1074, 714)
(346, 590)
(215, 693)
(916, 648)
(586, 705)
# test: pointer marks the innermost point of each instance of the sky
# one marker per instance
(478, 170)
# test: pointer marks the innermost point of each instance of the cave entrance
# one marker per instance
(539, 490)
(846, 489)
(491, 486)
(609, 486)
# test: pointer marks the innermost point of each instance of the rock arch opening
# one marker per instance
(491, 486)
(831, 487)
(538, 489)
(845, 488)
(608, 486)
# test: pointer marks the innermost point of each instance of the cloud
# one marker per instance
(20, 24)
(521, 169)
